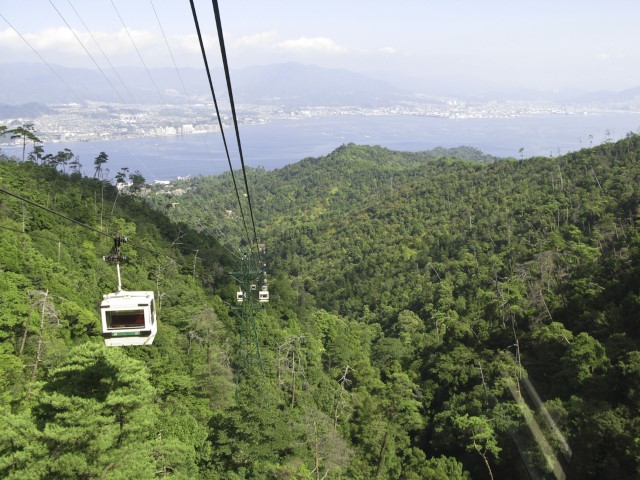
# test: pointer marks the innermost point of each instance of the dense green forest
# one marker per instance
(435, 315)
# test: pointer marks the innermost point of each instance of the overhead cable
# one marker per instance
(138, 52)
(215, 102)
(223, 52)
(101, 51)
(170, 52)
(198, 198)
(221, 234)
(30, 234)
(87, 51)
(47, 209)
(42, 58)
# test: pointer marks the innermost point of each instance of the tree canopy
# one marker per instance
(430, 317)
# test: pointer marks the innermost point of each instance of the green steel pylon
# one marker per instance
(250, 299)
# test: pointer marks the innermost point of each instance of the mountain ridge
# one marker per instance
(289, 84)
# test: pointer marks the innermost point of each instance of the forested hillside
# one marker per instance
(477, 288)
(430, 317)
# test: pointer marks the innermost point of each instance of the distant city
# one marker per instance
(112, 121)
(86, 109)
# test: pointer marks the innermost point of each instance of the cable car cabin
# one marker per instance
(128, 318)
(240, 296)
(263, 294)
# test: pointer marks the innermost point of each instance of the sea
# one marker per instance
(278, 143)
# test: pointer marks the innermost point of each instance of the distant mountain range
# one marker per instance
(290, 85)
(294, 84)
(26, 110)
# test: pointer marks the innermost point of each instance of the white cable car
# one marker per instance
(263, 294)
(128, 318)
(240, 296)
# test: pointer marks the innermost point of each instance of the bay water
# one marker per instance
(278, 143)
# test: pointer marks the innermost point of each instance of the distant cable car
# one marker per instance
(263, 294)
(240, 296)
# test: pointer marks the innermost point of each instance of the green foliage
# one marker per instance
(137, 181)
(21, 447)
(70, 413)
(429, 316)
(14, 305)
(101, 159)
(95, 415)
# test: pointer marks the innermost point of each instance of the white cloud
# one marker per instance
(9, 37)
(60, 46)
(61, 40)
(189, 44)
(256, 40)
(609, 56)
(117, 41)
(318, 44)
(43, 40)
(388, 50)
(50, 38)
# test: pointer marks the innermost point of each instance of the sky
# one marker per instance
(550, 45)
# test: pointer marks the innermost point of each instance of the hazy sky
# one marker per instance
(542, 44)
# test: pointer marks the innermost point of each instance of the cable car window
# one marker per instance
(125, 319)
